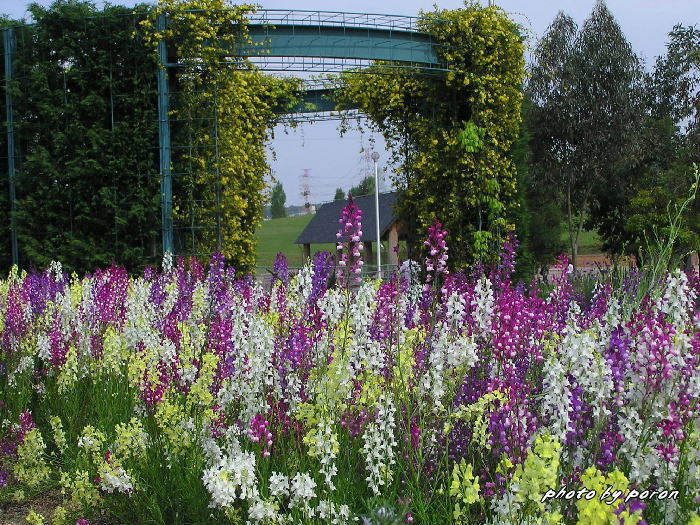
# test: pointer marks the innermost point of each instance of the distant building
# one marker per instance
(324, 225)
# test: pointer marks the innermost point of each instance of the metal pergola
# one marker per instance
(281, 41)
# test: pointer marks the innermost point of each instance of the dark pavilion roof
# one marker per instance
(325, 225)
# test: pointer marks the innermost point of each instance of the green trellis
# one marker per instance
(283, 41)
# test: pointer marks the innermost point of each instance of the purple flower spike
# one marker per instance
(349, 235)
(322, 265)
(280, 268)
(436, 262)
(4, 478)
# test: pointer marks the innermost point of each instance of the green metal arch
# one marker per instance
(342, 42)
(282, 40)
(295, 40)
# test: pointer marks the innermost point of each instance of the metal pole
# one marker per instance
(166, 183)
(219, 233)
(9, 43)
(375, 158)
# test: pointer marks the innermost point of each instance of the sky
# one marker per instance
(335, 162)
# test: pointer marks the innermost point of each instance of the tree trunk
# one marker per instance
(575, 238)
(573, 243)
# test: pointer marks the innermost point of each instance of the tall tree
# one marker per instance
(658, 167)
(676, 80)
(339, 194)
(545, 115)
(586, 92)
(277, 201)
(670, 142)
(365, 187)
(538, 219)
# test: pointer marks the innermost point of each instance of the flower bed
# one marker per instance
(192, 396)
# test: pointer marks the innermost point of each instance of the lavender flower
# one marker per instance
(280, 268)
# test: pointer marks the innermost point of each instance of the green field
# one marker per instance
(589, 243)
(278, 235)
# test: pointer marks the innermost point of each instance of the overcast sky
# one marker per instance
(337, 162)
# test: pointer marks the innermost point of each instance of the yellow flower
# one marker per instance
(173, 423)
(92, 441)
(597, 511)
(59, 436)
(200, 393)
(539, 471)
(464, 488)
(60, 516)
(84, 494)
(34, 518)
(31, 468)
(130, 441)
(69, 371)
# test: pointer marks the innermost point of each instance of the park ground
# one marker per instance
(278, 235)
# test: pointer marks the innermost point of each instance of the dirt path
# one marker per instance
(592, 264)
(44, 504)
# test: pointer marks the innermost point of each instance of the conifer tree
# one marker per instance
(278, 199)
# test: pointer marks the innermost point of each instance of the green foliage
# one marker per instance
(87, 133)
(339, 194)
(227, 109)
(669, 233)
(450, 135)
(586, 92)
(5, 248)
(277, 210)
(658, 169)
(365, 187)
(668, 210)
(538, 218)
(471, 138)
(675, 83)
(86, 129)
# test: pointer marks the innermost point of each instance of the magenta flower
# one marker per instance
(436, 262)
(259, 432)
(349, 235)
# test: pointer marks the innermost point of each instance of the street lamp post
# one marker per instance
(375, 158)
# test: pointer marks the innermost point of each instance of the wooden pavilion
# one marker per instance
(324, 226)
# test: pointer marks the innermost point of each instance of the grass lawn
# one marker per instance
(589, 242)
(278, 235)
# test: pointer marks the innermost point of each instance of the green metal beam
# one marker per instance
(341, 42)
(9, 45)
(314, 101)
(166, 180)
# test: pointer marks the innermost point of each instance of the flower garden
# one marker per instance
(192, 395)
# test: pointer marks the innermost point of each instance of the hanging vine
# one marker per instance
(225, 110)
(450, 135)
